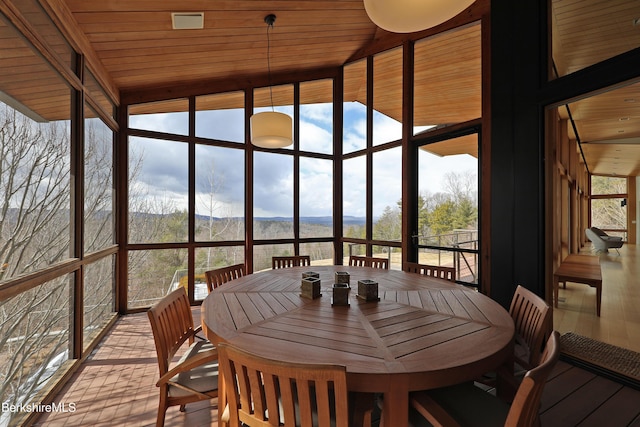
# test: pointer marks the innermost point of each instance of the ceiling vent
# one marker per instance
(187, 20)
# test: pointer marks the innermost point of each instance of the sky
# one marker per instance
(163, 171)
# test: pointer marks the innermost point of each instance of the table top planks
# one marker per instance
(423, 333)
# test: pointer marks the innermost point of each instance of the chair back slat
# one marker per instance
(526, 403)
(290, 261)
(223, 275)
(172, 324)
(532, 319)
(365, 261)
(439, 271)
(271, 392)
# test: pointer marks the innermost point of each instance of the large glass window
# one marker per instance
(387, 195)
(387, 96)
(273, 196)
(316, 116)
(97, 93)
(36, 227)
(158, 191)
(262, 255)
(221, 116)
(34, 181)
(98, 297)
(34, 342)
(354, 188)
(609, 204)
(448, 205)
(321, 253)
(98, 183)
(447, 78)
(35, 146)
(355, 107)
(220, 187)
(163, 116)
(32, 11)
(316, 197)
(155, 273)
(210, 259)
(277, 98)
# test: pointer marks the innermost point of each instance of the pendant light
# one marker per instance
(408, 16)
(271, 129)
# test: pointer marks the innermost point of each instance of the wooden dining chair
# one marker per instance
(290, 261)
(468, 405)
(195, 376)
(222, 275)
(532, 320)
(439, 271)
(266, 392)
(365, 261)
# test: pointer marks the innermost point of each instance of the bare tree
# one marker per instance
(35, 186)
(219, 222)
(608, 212)
(34, 205)
(34, 233)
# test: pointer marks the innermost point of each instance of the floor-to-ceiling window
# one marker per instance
(193, 178)
(448, 197)
(57, 246)
(448, 206)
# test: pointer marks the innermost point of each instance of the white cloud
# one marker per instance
(164, 171)
(316, 187)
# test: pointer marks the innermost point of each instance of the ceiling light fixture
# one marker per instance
(271, 129)
(408, 16)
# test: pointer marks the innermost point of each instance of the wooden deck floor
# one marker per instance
(116, 387)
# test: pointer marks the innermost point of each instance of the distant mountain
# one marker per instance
(320, 220)
(354, 220)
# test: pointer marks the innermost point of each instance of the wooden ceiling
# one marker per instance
(607, 124)
(135, 44)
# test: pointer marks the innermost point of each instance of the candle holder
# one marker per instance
(342, 277)
(368, 290)
(341, 294)
(310, 285)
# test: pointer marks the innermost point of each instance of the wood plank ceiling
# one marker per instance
(140, 51)
(607, 124)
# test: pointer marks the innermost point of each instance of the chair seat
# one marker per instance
(203, 378)
(467, 404)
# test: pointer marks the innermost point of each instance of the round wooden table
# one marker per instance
(423, 333)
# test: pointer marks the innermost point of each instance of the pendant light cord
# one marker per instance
(270, 19)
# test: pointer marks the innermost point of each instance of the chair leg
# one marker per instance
(161, 414)
(362, 409)
(162, 411)
(183, 408)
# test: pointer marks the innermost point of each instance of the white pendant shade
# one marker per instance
(270, 129)
(408, 16)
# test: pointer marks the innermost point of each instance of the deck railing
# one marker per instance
(458, 249)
